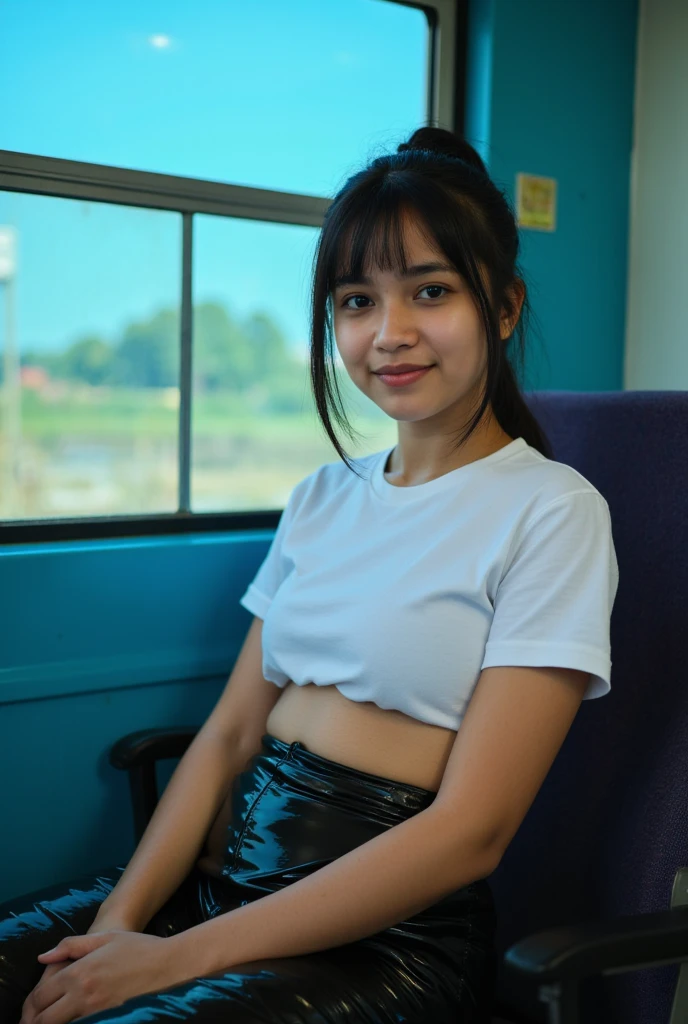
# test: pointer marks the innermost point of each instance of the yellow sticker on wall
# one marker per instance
(536, 202)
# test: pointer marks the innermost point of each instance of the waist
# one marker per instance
(362, 735)
(293, 811)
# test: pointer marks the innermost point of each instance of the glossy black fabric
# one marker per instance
(292, 812)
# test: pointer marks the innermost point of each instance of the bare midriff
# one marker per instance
(362, 735)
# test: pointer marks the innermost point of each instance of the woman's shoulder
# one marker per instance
(546, 481)
(330, 478)
(337, 472)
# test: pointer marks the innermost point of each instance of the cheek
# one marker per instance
(458, 334)
(351, 342)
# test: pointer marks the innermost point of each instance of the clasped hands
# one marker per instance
(97, 971)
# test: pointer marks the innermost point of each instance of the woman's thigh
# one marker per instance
(37, 921)
(352, 984)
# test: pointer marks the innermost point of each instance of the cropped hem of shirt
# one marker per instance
(402, 595)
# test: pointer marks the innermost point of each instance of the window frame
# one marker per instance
(70, 179)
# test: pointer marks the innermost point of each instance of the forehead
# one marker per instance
(393, 244)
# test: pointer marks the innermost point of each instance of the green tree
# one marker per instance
(248, 355)
(148, 355)
(89, 359)
(222, 359)
(271, 358)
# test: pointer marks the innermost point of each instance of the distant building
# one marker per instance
(34, 377)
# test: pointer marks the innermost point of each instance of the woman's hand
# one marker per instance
(105, 921)
(97, 972)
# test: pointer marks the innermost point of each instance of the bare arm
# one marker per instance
(385, 880)
(175, 834)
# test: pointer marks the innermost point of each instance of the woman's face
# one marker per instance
(427, 318)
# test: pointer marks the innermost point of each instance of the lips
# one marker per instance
(398, 380)
(401, 369)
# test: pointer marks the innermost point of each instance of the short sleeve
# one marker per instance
(553, 605)
(276, 565)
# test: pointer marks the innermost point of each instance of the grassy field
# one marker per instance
(96, 451)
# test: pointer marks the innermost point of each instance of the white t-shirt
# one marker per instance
(402, 595)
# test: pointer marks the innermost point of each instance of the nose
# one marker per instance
(396, 326)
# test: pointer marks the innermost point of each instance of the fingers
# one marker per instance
(74, 947)
(29, 1011)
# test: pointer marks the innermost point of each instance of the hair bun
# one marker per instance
(440, 140)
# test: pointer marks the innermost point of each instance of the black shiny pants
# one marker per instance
(292, 812)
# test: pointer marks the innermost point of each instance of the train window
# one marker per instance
(161, 188)
(97, 290)
(274, 94)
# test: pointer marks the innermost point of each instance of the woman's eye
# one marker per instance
(435, 291)
(355, 298)
(435, 288)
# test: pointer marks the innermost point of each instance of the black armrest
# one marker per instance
(150, 745)
(558, 959)
(625, 943)
(137, 753)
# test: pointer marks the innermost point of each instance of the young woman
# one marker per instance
(426, 623)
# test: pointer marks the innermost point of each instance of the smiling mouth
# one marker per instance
(400, 379)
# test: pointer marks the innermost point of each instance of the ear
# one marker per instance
(508, 319)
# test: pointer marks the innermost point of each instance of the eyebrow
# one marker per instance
(414, 271)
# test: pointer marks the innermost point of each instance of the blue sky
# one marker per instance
(283, 94)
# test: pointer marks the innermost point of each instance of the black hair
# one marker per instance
(441, 180)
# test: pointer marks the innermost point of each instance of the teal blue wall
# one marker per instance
(551, 93)
(98, 639)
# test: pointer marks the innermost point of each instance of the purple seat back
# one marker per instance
(609, 828)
